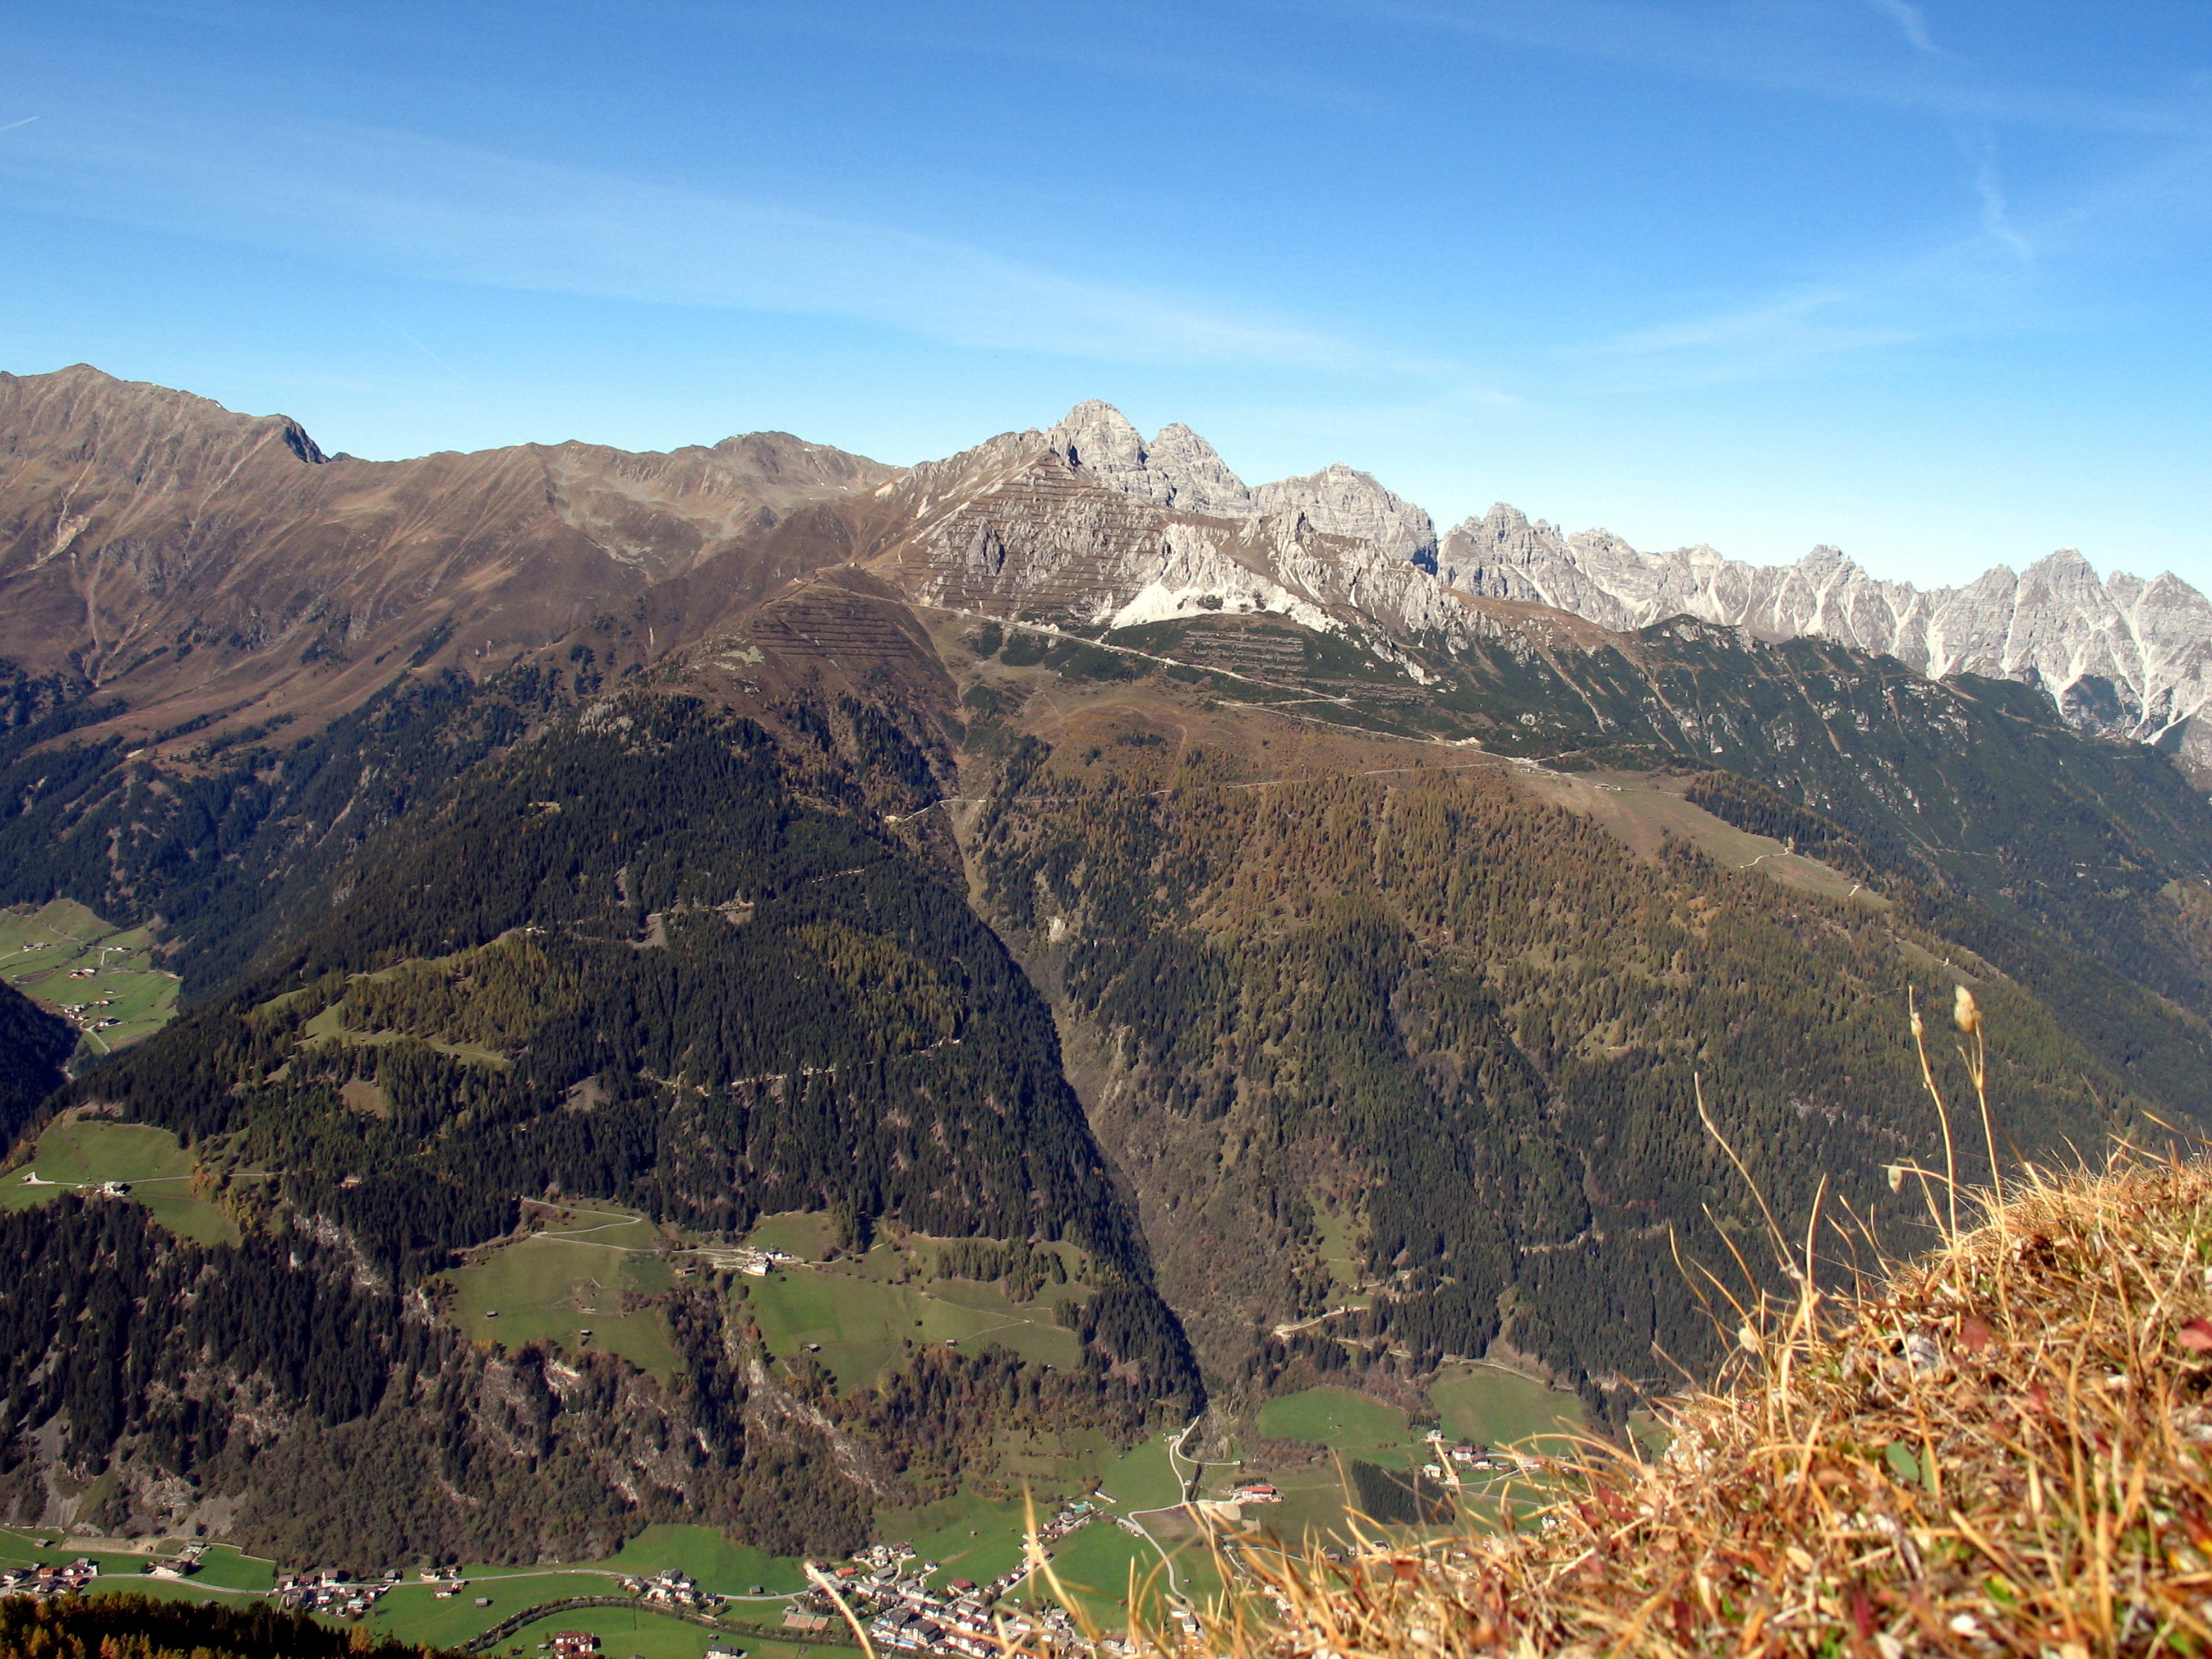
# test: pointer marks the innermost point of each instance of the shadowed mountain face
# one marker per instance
(1061, 846)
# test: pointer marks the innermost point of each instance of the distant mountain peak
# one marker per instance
(2119, 655)
(1180, 471)
(1177, 470)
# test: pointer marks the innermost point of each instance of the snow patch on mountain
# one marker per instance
(2119, 655)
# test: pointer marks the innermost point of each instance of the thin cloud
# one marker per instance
(1990, 279)
(445, 211)
(1990, 192)
(1808, 49)
(424, 350)
(1780, 334)
(1910, 23)
(25, 122)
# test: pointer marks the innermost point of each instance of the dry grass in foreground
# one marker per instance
(2005, 1449)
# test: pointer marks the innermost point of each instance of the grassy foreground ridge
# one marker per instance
(2004, 1447)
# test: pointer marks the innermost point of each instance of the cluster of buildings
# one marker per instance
(183, 1564)
(444, 1585)
(745, 1258)
(1482, 1458)
(42, 1581)
(671, 1588)
(87, 1017)
(332, 1593)
(571, 1644)
(887, 1587)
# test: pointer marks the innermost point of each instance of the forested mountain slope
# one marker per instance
(33, 1044)
(625, 959)
(1048, 863)
(1471, 1026)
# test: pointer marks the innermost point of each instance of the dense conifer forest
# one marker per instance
(625, 958)
(144, 1627)
(1479, 1025)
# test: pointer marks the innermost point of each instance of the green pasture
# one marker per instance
(1341, 1420)
(224, 1575)
(863, 1323)
(330, 1026)
(1143, 1478)
(1503, 1409)
(569, 1277)
(969, 1536)
(724, 1568)
(623, 1631)
(42, 946)
(87, 1151)
(806, 1233)
(1052, 1463)
(411, 1612)
(1316, 1504)
(1339, 1231)
(1097, 1567)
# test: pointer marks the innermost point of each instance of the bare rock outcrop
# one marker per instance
(2120, 656)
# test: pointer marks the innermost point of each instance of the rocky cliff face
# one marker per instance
(2120, 656)
(1181, 472)
(1038, 526)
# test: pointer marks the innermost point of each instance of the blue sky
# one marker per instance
(1926, 281)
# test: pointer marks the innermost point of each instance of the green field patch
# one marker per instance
(330, 1026)
(412, 1612)
(1341, 1420)
(584, 1270)
(1143, 1478)
(99, 977)
(1338, 1234)
(224, 1574)
(806, 1234)
(1316, 1504)
(967, 1535)
(78, 1156)
(621, 1631)
(1097, 1569)
(626, 1633)
(720, 1567)
(1052, 1463)
(859, 1323)
(1104, 1575)
(1503, 1408)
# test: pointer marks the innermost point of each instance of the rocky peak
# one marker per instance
(1202, 480)
(1178, 469)
(1338, 501)
(1097, 438)
(2117, 654)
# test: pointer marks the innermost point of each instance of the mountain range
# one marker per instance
(1217, 940)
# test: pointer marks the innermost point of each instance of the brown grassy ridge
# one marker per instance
(2004, 1447)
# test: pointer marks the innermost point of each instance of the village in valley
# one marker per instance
(1169, 1531)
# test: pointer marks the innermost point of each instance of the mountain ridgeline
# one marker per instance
(1176, 906)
